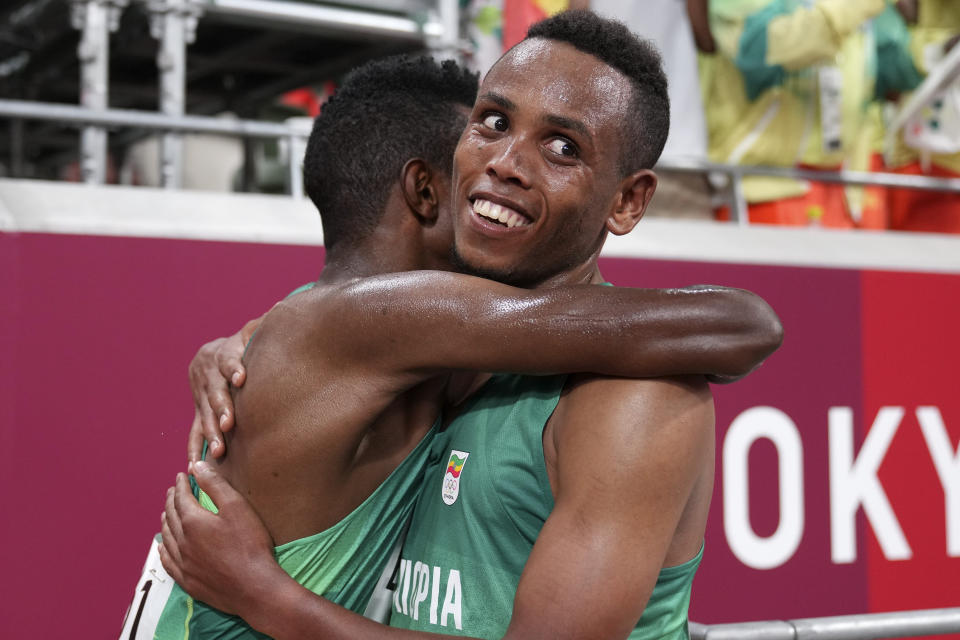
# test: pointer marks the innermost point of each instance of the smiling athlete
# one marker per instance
(595, 489)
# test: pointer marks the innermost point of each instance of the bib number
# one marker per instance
(149, 599)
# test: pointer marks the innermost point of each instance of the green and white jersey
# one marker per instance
(343, 563)
(485, 499)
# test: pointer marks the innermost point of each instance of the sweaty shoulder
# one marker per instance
(372, 328)
(624, 397)
(308, 326)
(637, 422)
(364, 299)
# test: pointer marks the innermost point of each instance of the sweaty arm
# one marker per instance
(421, 323)
(653, 436)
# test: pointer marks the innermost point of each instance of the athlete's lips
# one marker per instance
(519, 214)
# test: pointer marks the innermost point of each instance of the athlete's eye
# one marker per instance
(563, 147)
(495, 121)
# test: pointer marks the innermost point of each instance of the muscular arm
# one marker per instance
(414, 324)
(611, 532)
(419, 323)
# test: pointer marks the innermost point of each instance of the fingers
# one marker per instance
(200, 365)
(184, 503)
(229, 358)
(237, 372)
(213, 484)
(195, 439)
(171, 514)
(210, 431)
(206, 383)
(221, 406)
(170, 533)
(170, 564)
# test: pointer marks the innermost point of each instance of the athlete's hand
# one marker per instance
(206, 383)
(216, 365)
(224, 559)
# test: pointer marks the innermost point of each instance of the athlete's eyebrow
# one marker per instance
(568, 123)
(499, 100)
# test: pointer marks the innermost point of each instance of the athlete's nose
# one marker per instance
(508, 163)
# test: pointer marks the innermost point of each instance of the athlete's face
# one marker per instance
(536, 171)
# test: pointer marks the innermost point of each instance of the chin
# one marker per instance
(506, 275)
(472, 267)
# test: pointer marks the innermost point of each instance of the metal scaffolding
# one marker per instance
(174, 24)
(95, 19)
(345, 34)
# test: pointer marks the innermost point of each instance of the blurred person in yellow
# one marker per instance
(934, 30)
(790, 85)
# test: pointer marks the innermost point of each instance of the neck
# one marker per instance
(377, 255)
(587, 273)
(337, 269)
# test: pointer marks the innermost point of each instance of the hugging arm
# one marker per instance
(429, 321)
(217, 365)
(422, 323)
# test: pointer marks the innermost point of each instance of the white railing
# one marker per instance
(899, 624)
(736, 173)
(293, 131)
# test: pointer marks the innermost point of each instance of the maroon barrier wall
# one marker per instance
(96, 334)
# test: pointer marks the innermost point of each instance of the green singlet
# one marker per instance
(342, 563)
(486, 496)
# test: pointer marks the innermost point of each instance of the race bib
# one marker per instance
(149, 598)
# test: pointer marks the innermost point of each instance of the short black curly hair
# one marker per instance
(637, 59)
(384, 113)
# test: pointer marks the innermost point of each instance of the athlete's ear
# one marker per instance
(631, 201)
(419, 190)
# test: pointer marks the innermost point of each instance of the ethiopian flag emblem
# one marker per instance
(451, 479)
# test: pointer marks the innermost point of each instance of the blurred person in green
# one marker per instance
(790, 84)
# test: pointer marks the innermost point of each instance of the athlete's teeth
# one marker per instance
(497, 212)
